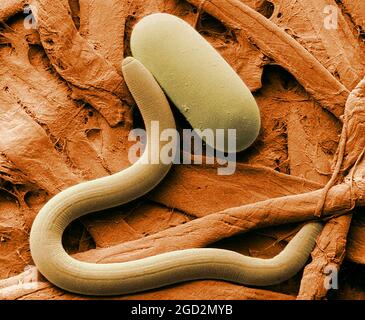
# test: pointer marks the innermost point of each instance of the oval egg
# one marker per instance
(197, 79)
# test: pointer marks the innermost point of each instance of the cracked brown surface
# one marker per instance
(65, 115)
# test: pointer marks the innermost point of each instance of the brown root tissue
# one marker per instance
(65, 114)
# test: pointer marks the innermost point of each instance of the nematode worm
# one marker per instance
(160, 270)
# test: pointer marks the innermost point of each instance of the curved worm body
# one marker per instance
(160, 270)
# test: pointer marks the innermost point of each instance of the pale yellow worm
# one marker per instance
(160, 270)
